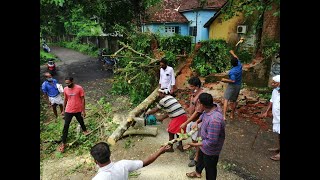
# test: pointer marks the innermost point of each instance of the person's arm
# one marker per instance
(161, 118)
(233, 54)
(160, 79)
(227, 80)
(83, 106)
(46, 97)
(83, 100)
(45, 93)
(193, 117)
(268, 109)
(269, 106)
(212, 138)
(64, 101)
(154, 156)
(152, 111)
(173, 81)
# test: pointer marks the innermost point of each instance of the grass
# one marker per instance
(50, 132)
(44, 57)
(87, 49)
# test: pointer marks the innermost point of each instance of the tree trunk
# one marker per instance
(145, 130)
(271, 25)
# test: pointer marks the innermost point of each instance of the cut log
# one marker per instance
(146, 130)
(116, 135)
(139, 122)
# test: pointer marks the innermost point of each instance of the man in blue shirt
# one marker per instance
(51, 93)
(234, 85)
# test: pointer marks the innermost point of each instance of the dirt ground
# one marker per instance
(237, 160)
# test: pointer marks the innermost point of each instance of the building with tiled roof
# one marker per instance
(185, 17)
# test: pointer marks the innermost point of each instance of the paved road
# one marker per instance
(87, 71)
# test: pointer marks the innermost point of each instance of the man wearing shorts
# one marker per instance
(234, 85)
(194, 112)
(52, 94)
(174, 111)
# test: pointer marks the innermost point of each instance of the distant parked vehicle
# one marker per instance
(45, 47)
(110, 63)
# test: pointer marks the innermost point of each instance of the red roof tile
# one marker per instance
(193, 4)
(164, 12)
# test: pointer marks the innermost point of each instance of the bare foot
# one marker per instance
(86, 132)
(276, 157)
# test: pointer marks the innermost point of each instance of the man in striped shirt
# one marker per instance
(174, 111)
(212, 133)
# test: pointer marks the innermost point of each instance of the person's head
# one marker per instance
(163, 63)
(48, 76)
(101, 153)
(194, 83)
(69, 82)
(234, 62)
(163, 92)
(276, 82)
(206, 100)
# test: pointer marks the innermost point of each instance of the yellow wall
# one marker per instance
(226, 30)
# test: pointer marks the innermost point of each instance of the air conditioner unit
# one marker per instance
(241, 29)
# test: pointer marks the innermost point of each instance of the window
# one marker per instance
(193, 31)
(172, 29)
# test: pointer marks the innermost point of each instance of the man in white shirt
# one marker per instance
(167, 78)
(118, 170)
(275, 104)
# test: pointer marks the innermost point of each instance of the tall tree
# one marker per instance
(267, 25)
(59, 16)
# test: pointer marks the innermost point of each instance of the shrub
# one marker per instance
(212, 57)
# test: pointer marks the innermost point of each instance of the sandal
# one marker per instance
(193, 175)
(275, 157)
(86, 133)
(274, 149)
(61, 148)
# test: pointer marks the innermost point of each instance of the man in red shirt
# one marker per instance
(74, 105)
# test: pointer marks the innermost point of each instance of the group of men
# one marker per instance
(71, 104)
(203, 113)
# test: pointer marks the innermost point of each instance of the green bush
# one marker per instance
(44, 57)
(88, 49)
(270, 48)
(177, 44)
(141, 42)
(171, 58)
(212, 57)
(138, 87)
(245, 56)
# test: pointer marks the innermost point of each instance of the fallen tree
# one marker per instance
(117, 134)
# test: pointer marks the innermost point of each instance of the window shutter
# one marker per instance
(177, 30)
(190, 31)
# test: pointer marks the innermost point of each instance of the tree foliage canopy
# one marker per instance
(84, 17)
